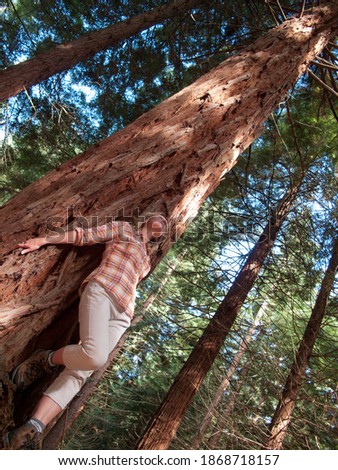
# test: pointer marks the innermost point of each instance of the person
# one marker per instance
(106, 308)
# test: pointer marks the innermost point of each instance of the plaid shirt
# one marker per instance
(125, 261)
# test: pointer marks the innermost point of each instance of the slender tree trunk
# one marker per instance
(283, 414)
(55, 433)
(169, 160)
(226, 381)
(218, 429)
(17, 78)
(225, 415)
(168, 418)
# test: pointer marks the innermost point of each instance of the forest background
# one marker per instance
(62, 116)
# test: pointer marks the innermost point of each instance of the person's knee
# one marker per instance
(93, 360)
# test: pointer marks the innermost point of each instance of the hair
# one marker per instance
(138, 222)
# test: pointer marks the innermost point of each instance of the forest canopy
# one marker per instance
(60, 117)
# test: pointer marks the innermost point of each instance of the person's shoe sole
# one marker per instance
(13, 375)
(5, 440)
(22, 385)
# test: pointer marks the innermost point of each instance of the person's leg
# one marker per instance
(102, 323)
(56, 358)
(46, 410)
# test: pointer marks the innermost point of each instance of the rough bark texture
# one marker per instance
(283, 414)
(168, 418)
(170, 159)
(226, 381)
(17, 78)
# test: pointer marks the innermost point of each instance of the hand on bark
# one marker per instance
(31, 245)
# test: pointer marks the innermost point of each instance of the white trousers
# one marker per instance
(102, 323)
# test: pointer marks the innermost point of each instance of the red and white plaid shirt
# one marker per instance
(125, 261)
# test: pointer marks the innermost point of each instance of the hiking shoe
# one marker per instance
(23, 437)
(32, 369)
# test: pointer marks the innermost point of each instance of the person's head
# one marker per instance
(153, 227)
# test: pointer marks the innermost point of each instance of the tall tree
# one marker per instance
(283, 414)
(17, 78)
(205, 423)
(168, 418)
(170, 159)
(225, 414)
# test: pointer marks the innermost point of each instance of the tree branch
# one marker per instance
(294, 135)
(323, 84)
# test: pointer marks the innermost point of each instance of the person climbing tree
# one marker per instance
(107, 299)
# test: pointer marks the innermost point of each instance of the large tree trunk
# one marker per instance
(168, 418)
(17, 78)
(170, 159)
(205, 423)
(283, 413)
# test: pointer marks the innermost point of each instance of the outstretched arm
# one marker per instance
(35, 243)
(79, 236)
